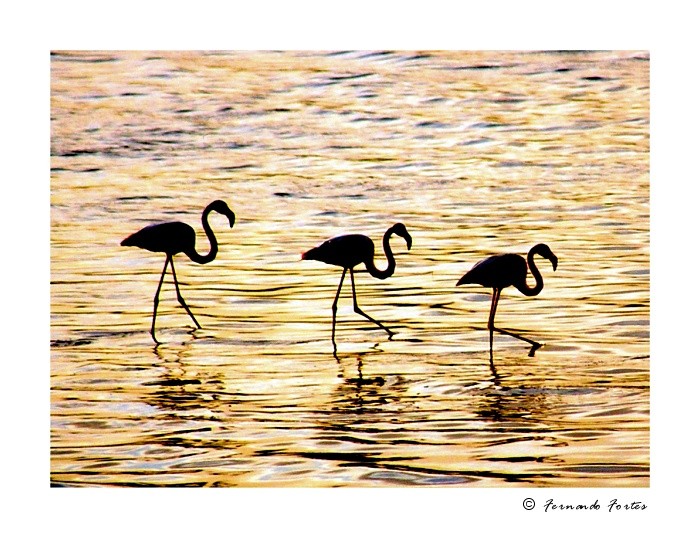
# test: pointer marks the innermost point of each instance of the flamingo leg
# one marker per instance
(494, 303)
(180, 298)
(334, 307)
(357, 307)
(155, 301)
(535, 345)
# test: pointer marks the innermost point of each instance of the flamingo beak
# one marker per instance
(409, 240)
(554, 261)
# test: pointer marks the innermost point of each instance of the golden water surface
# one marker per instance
(475, 152)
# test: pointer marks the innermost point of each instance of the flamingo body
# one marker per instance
(172, 238)
(345, 251)
(168, 237)
(499, 271)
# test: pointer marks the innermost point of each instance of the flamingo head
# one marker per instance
(400, 230)
(221, 207)
(544, 251)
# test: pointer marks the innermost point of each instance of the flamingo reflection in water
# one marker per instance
(347, 251)
(503, 270)
(172, 238)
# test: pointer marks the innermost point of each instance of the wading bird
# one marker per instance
(172, 238)
(347, 251)
(503, 270)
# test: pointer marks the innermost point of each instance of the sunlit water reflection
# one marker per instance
(476, 153)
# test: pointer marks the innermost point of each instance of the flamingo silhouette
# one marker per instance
(347, 251)
(172, 238)
(503, 270)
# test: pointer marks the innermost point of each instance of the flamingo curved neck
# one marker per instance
(214, 245)
(386, 273)
(539, 283)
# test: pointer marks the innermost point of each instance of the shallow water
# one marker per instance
(475, 152)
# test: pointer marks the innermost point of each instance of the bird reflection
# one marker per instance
(503, 270)
(360, 380)
(172, 238)
(177, 390)
(359, 393)
(505, 400)
(347, 251)
(495, 378)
